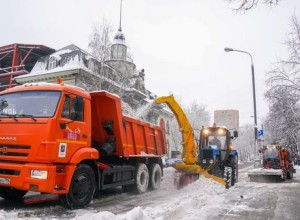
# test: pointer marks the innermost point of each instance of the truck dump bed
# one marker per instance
(129, 137)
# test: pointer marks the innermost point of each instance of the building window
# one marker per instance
(52, 63)
(167, 127)
(91, 65)
(118, 52)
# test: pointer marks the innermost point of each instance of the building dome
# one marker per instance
(119, 38)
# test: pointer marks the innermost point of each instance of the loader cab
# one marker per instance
(271, 152)
(210, 150)
(217, 138)
(271, 156)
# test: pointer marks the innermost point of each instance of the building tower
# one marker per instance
(119, 58)
(119, 48)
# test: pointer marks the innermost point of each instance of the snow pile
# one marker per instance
(195, 201)
(206, 196)
(200, 198)
(135, 214)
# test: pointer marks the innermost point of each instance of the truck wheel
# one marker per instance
(82, 188)
(10, 193)
(155, 176)
(142, 178)
(227, 176)
(290, 174)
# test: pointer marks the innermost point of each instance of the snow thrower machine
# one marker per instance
(276, 165)
(212, 159)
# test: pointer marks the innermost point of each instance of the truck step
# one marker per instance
(41, 198)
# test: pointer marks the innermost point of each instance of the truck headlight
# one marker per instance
(211, 161)
(204, 161)
(39, 174)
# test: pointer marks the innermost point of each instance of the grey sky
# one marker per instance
(180, 44)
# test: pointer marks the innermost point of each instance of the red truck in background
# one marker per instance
(60, 139)
(276, 164)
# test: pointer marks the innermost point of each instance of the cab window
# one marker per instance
(73, 108)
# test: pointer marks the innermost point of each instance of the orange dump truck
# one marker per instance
(60, 139)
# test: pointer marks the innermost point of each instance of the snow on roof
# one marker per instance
(57, 54)
(72, 61)
(72, 57)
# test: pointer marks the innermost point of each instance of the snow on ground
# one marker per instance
(203, 199)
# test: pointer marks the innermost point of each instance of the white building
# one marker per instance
(228, 118)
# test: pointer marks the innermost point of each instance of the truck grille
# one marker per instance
(13, 150)
(10, 172)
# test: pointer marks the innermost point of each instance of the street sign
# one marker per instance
(260, 133)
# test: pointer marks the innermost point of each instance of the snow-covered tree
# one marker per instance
(283, 92)
(245, 143)
(100, 40)
(197, 115)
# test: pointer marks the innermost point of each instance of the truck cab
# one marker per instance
(42, 129)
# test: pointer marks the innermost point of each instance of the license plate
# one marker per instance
(4, 180)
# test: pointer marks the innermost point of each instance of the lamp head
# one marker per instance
(227, 49)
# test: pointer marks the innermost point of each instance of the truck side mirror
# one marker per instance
(235, 134)
(3, 104)
(63, 125)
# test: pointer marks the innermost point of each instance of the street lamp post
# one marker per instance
(253, 88)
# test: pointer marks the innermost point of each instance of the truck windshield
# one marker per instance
(271, 153)
(218, 142)
(215, 138)
(29, 104)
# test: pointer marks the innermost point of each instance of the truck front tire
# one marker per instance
(82, 188)
(155, 176)
(290, 173)
(10, 193)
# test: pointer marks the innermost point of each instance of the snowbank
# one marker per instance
(206, 195)
(203, 199)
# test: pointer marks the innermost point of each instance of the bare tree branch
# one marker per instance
(245, 5)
